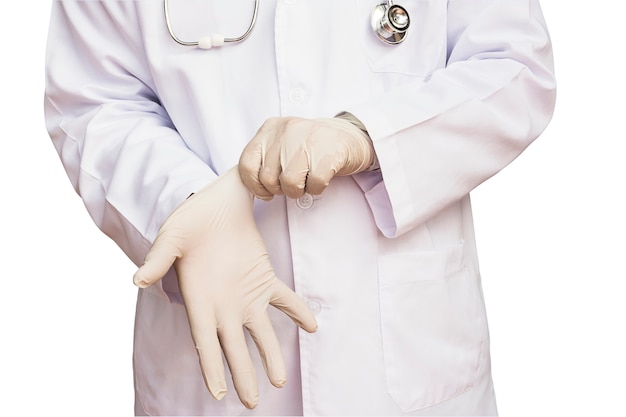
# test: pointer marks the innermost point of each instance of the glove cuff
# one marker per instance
(344, 115)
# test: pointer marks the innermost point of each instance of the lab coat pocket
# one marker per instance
(424, 48)
(433, 326)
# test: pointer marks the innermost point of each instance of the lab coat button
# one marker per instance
(297, 95)
(314, 306)
(305, 202)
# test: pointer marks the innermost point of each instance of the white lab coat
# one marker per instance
(386, 259)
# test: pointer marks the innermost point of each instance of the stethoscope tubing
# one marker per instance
(382, 24)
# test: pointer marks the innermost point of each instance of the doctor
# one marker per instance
(362, 155)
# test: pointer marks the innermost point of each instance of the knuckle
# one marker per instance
(291, 178)
(247, 162)
(316, 183)
(292, 184)
(269, 178)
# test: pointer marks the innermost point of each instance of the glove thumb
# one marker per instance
(158, 261)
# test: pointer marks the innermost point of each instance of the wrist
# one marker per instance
(349, 117)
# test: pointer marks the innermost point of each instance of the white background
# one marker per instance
(551, 235)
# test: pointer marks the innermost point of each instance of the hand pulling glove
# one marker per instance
(291, 156)
(226, 281)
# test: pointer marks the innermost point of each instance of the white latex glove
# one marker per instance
(226, 281)
(291, 155)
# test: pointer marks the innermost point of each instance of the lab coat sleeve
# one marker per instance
(117, 144)
(462, 123)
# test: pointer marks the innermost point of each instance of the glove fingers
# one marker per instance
(294, 177)
(210, 355)
(250, 165)
(287, 301)
(263, 334)
(158, 261)
(320, 175)
(271, 169)
(235, 349)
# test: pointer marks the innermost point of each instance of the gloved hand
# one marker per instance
(292, 155)
(226, 281)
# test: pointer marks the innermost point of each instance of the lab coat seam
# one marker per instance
(405, 211)
(60, 114)
(146, 61)
(302, 290)
(81, 168)
(449, 262)
(137, 382)
(281, 74)
(396, 183)
(99, 217)
(86, 175)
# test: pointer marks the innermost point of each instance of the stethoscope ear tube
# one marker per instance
(215, 40)
(390, 22)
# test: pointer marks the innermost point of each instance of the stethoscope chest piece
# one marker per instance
(390, 22)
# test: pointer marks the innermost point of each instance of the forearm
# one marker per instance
(117, 144)
(466, 121)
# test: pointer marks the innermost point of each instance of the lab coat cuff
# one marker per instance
(375, 193)
(174, 200)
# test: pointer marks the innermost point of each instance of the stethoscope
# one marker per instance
(389, 22)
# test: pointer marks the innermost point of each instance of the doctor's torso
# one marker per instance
(303, 58)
